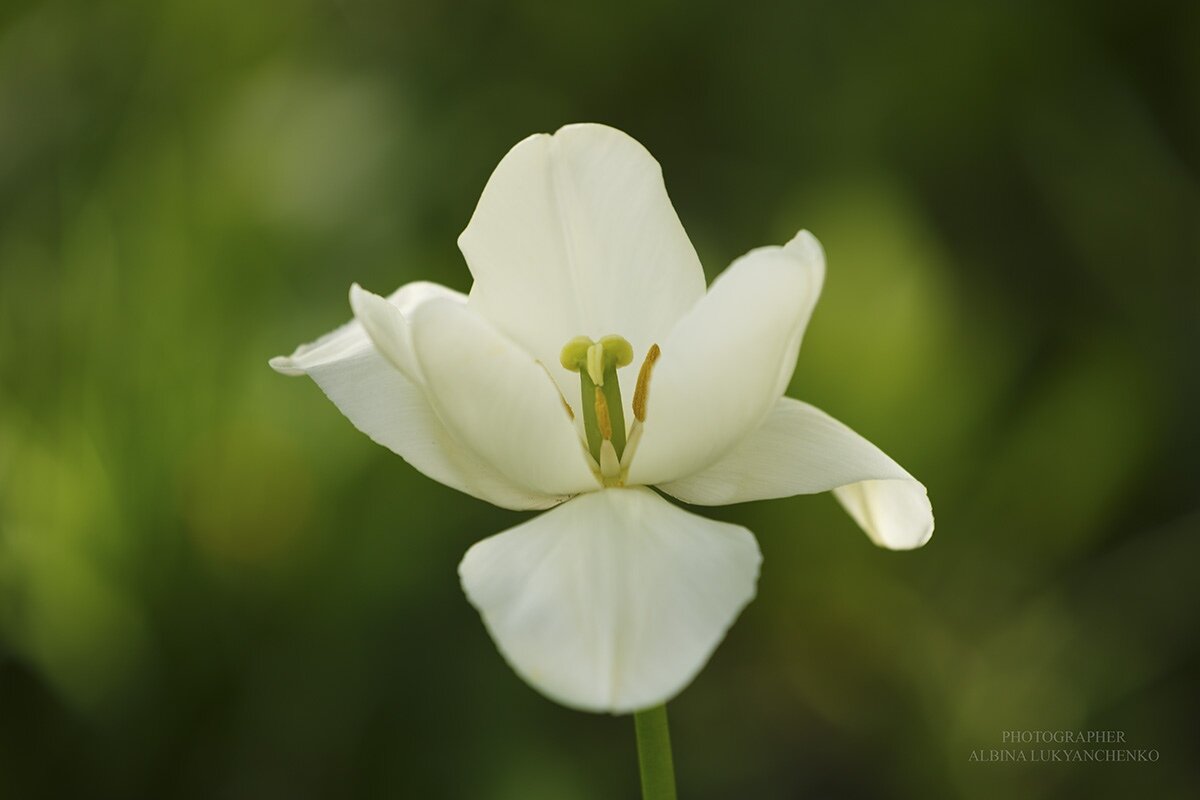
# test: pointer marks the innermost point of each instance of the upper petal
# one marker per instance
(728, 360)
(393, 411)
(498, 400)
(575, 235)
(614, 600)
(800, 449)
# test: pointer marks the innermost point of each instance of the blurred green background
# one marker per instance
(212, 586)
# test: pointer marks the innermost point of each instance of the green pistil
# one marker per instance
(597, 364)
(616, 411)
(587, 401)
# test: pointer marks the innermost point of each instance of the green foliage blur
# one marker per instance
(212, 586)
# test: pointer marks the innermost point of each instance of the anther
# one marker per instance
(563, 400)
(642, 392)
(603, 421)
(595, 363)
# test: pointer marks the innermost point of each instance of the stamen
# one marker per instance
(610, 467)
(642, 393)
(635, 437)
(561, 398)
(603, 421)
(595, 363)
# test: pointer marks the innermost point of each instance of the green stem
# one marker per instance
(654, 754)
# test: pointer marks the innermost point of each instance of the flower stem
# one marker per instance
(654, 754)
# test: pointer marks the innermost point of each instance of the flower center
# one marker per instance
(611, 446)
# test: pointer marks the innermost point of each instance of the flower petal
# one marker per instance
(575, 235)
(728, 360)
(800, 449)
(392, 410)
(614, 600)
(384, 321)
(499, 401)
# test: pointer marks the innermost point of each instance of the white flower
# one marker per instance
(615, 599)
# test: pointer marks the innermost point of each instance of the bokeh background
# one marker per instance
(212, 586)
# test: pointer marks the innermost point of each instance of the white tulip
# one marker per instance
(616, 598)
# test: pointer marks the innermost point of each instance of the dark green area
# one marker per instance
(212, 586)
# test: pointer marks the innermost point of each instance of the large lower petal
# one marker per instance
(728, 360)
(496, 399)
(575, 235)
(393, 411)
(614, 600)
(800, 449)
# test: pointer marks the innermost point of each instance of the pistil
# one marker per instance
(600, 390)
(610, 445)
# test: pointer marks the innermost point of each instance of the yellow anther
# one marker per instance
(617, 350)
(642, 392)
(574, 353)
(603, 421)
(595, 364)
